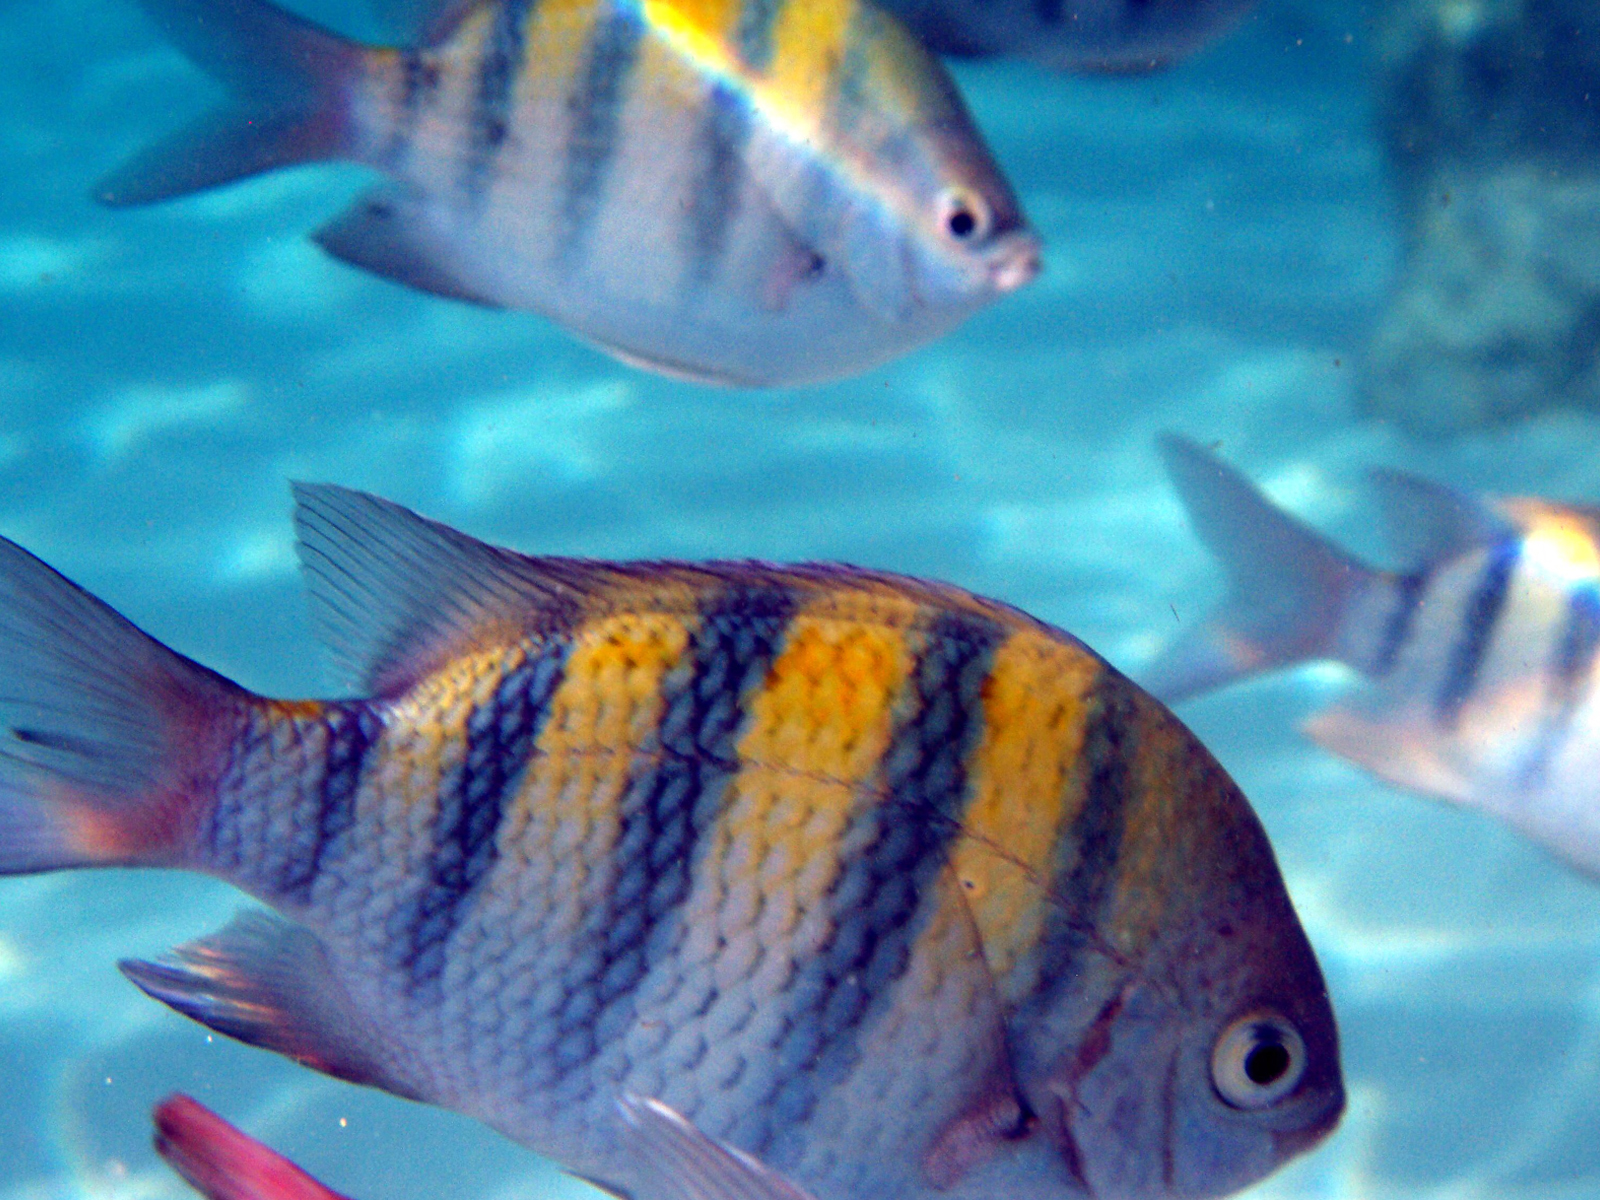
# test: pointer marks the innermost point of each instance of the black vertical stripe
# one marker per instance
(351, 732)
(752, 37)
(724, 136)
(595, 109)
(1408, 592)
(1580, 637)
(492, 101)
(1477, 630)
(501, 735)
(1087, 855)
(669, 805)
(1570, 666)
(898, 842)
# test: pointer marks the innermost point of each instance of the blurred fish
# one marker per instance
(224, 1164)
(1480, 654)
(748, 192)
(1073, 35)
(893, 887)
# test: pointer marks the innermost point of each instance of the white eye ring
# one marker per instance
(964, 216)
(1257, 1061)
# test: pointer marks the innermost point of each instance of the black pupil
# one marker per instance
(962, 223)
(1266, 1063)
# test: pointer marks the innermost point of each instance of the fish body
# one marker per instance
(1479, 655)
(1074, 35)
(753, 192)
(892, 887)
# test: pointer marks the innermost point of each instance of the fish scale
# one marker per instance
(854, 871)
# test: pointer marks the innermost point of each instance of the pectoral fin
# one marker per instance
(384, 232)
(685, 1164)
(1402, 749)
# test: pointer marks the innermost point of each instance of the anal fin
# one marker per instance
(383, 232)
(1405, 751)
(268, 983)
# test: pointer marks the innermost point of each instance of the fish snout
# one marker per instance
(1014, 261)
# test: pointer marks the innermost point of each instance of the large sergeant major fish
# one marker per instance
(1073, 35)
(738, 191)
(1480, 654)
(893, 887)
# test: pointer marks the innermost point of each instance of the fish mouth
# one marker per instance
(1014, 262)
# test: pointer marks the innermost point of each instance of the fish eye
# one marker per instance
(964, 215)
(1257, 1061)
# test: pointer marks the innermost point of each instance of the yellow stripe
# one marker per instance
(555, 47)
(809, 40)
(603, 715)
(1036, 705)
(702, 30)
(814, 738)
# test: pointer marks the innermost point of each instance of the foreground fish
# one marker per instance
(224, 1164)
(741, 191)
(891, 886)
(1074, 35)
(1481, 654)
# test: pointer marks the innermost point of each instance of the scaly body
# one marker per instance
(856, 872)
(747, 192)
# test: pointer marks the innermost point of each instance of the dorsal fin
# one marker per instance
(417, 23)
(1430, 522)
(394, 595)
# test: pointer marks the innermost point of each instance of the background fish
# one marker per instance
(744, 192)
(1480, 654)
(1073, 35)
(893, 887)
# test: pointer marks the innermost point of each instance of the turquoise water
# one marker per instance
(1219, 239)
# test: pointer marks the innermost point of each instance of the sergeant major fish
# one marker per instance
(223, 1163)
(892, 887)
(750, 192)
(1480, 653)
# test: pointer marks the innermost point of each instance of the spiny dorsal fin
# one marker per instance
(1430, 522)
(394, 595)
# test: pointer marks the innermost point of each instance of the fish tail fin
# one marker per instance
(221, 1162)
(1291, 590)
(292, 86)
(106, 736)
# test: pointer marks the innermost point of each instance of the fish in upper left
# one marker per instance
(223, 1163)
(749, 192)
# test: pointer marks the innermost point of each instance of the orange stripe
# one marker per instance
(1036, 705)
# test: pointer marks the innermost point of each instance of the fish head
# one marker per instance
(931, 225)
(1192, 1047)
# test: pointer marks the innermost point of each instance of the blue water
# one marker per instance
(1219, 240)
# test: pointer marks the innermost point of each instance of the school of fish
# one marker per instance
(1479, 653)
(890, 887)
(748, 192)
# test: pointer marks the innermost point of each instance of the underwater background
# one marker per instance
(1220, 239)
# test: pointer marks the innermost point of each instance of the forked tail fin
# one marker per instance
(1289, 588)
(104, 732)
(222, 1163)
(291, 84)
